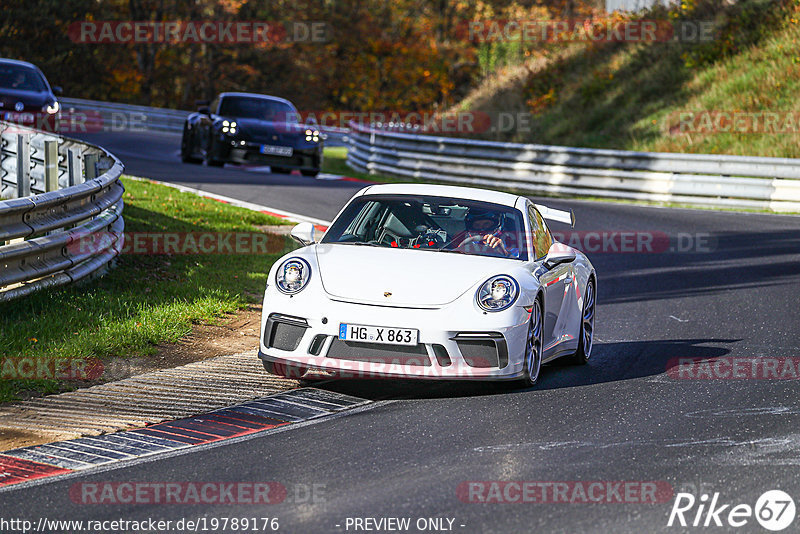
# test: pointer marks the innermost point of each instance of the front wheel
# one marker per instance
(285, 370)
(584, 351)
(187, 148)
(533, 345)
(311, 173)
(210, 160)
(280, 170)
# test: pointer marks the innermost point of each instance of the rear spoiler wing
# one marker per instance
(551, 214)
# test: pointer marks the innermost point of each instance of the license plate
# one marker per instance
(271, 150)
(378, 334)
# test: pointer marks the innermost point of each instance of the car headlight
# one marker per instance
(293, 275)
(312, 135)
(229, 127)
(497, 293)
(53, 108)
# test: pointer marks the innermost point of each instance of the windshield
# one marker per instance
(20, 78)
(257, 108)
(431, 223)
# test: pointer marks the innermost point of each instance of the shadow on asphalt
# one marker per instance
(610, 362)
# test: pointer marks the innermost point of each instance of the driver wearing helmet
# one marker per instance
(482, 230)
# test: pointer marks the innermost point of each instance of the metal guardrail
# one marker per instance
(105, 116)
(108, 115)
(694, 179)
(57, 192)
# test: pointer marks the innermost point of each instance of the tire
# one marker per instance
(280, 170)
(586, 341)
(210, 161)
(533, 346)
(186, 151)
(309, 173)
(285, 370)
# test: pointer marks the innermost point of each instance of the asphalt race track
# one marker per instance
(734, 294)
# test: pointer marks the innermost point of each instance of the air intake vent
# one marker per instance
(441, 355)
(483, 349)
(284, 332)
(379, 353)
(316, 344)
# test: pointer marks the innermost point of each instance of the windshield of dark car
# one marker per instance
(257, 108)
(20, 78)
(431, 223)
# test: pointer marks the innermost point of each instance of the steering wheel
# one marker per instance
(475, 244)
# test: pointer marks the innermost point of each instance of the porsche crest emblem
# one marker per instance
(387, 294)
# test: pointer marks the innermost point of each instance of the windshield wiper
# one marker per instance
(362, 244)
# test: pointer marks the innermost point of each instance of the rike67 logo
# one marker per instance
(774, 510)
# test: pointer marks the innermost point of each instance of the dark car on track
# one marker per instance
(251, 128)
(25, 95)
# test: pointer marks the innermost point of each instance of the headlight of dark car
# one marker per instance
(52, 108)
(229, 128)
(312, 135)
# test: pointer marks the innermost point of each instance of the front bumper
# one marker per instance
(456, 342)
(301, 158)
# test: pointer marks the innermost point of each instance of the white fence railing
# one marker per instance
(693, 179)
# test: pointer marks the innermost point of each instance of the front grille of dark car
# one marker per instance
(379, 353)
(483, 349)
(10, 102)
(284, 332)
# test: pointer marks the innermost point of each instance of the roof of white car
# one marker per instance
(452, 191)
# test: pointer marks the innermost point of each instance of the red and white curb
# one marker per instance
(41, 461)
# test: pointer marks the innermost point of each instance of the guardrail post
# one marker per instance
(51, 165)
(90, 161)
(23, 165)
(75, 166)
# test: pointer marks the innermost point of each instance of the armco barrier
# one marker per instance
(55, 191)
(694, 179)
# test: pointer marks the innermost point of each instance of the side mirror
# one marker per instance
(57, 89)
(558, 254)
(303, 233)
(204, 110)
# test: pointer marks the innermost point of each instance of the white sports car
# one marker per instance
(429, 281)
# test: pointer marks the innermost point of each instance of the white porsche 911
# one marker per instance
(429, 281)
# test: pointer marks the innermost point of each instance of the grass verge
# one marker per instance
(710, 96)
(147, 299)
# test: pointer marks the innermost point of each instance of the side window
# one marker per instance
(540, 235)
